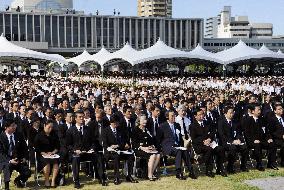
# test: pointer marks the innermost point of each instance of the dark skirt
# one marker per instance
(44, 161)
(144, 155)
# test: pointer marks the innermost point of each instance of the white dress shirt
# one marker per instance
(187, 123)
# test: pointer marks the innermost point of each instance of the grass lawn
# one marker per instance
(232, 182)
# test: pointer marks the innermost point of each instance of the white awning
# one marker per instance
(127, 53)
(8, 49)
(80, 59)
(101, 57)
(200, 53)
(241, 52)
(158, 51)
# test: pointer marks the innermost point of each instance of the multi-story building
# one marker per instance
(155, 8)
(211, 27)
(42, 5)
(220, 44)
(226, 26)
(71, 33)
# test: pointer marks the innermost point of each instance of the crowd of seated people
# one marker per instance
(60, 123)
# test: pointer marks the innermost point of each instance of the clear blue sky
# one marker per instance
(271, 11)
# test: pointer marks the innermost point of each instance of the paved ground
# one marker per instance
(276, 183)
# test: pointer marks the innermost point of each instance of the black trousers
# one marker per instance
(271, 152)
(23, 170)
(96, 160)
(280, 145)
(208, 154)
(129, 158)
(179, 156)
(233, 150)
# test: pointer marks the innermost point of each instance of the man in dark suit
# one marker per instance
(254, 131)
(126, 123)
(81, 146)
(62, 130)
(13, 155)
(114, 141)
(15, 110)
(2, 119)
(231, 138)
(171, 139)
(153, 124)
(204, 142)
(276, 130)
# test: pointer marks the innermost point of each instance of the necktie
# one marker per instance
(184, 129)
(174, 134)
(114, 133)
(281, 121)
(11, 146)
(202, 125)
(129, 126)
(155, 127)
(231, 129)
(81, 132)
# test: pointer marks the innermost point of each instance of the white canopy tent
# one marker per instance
(127, 53)
(9, 50)
(80, 59)
(242, 52)
(265, 50)
(199, 53)
(239, 53)
(158, 51)
(101, 57)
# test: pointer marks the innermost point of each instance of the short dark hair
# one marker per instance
(253, 106)
(125, 108)
(78, 112)
(168, 113)
(9, 122)
(276, 105)
(227, 108)
(198, 109)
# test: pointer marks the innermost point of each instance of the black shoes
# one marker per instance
(231, 169)
(116, 181)
(77, 185)
(272, 166)
(131, 179)
(180, 176)
(210, 174)
(7, 186)
(260, 167)
(104, 183)
(18, 183)
(244, 169)
(222, 173)
(192, 175)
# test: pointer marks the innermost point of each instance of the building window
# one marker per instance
(15, 36)
(30, 28)
(37, 27)
(89, 32)
(22, 27)
(98, 31)
(47, 30)
(82, 32)
(68, 31)
(54, 31)
(8, 27)
(75, 32)
(61, 31)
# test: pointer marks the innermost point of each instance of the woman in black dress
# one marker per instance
(47, 145)
(144, 148)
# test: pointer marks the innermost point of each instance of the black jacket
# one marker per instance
(20, 150)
